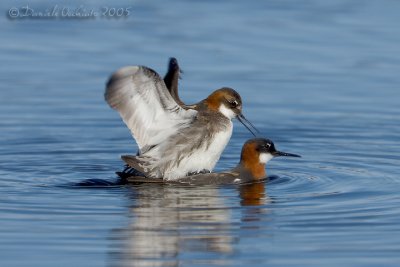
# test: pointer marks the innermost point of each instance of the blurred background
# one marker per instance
(319, 78)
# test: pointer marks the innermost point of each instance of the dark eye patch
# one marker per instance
(264, 147)
(267, 146)
(233, 103)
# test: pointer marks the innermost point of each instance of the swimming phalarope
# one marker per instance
(174, 139)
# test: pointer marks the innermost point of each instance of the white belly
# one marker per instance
(204, 158)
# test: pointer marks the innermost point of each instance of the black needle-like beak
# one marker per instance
(284, 154)
(242, 120)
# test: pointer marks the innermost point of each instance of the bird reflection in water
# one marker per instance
(175, 224)
(253, 194)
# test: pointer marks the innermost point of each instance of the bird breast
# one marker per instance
(204, 157)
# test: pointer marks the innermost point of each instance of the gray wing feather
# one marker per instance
(145, 105)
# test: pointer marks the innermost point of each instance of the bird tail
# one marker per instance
(136, 163)
(129, 172)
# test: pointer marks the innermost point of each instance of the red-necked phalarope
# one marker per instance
(174, 139)
(255, 154)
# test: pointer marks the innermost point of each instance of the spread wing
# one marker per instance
(171, 80)
(145, 105)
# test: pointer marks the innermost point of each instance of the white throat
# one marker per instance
(265, 157)
(227, 112)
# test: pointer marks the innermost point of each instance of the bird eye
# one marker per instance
(233, 103)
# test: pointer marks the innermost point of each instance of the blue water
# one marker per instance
(319, 78)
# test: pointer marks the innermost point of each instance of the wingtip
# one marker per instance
(173, 62)
(116, 80)
(117, 76)
(123, 72)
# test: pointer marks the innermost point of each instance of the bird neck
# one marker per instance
(212, 104)
(250, 161)
(256, 169)
(207, 106)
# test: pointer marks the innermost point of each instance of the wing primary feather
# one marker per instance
(171, 80)
(140, 96)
